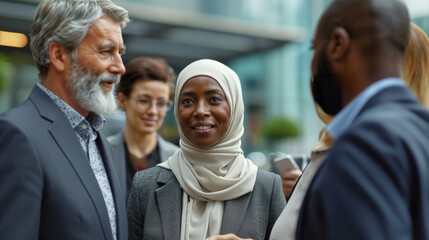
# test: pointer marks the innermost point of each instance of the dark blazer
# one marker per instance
(374, 183)
(48, 189)
(166, 150)
(155, 207)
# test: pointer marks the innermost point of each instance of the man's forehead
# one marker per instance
(106, 32)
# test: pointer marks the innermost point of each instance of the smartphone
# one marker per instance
(285, 163)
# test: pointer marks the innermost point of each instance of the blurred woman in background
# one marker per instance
(416, 64)
(144, 93)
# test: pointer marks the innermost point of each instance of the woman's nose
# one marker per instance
(201, 110)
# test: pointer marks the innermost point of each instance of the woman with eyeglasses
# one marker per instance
(144, 93)
(207, 187)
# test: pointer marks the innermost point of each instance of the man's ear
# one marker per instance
(339, 44)
(121, 101)
(58, 56)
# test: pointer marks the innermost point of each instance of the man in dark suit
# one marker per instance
(374, 182)
(56, 170)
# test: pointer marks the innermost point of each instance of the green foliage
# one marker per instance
(3, 79)
(280, 128)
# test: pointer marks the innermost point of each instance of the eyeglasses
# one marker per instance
(161, 104)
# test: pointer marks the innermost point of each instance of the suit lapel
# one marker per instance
(117, 191)
(169, 199)
(68, 142)
(233, 214)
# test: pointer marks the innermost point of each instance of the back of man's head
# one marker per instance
(376, 26)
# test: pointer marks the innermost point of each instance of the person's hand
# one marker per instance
(229, 236)
(289, 179)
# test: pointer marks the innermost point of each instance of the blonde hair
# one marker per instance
(325, 140)
(324, 117)
(416, 64)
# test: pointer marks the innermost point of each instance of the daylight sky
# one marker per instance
(418, 8)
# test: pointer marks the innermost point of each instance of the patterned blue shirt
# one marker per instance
(86, 131)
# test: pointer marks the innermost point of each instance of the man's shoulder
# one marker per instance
(21, 115)
(394, 105)
(38, 104)
(386, 134)
(391, 118)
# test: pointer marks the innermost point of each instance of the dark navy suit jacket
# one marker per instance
(374, 183)
(47, 187)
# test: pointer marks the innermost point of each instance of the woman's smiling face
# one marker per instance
(203, 111)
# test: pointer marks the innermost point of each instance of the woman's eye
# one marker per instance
(187, 101)
(216, 99)
(143, 101)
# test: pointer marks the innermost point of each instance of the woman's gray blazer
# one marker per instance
(155, 207)
(166, 150)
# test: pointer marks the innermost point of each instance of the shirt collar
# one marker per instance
(95, 120)
(345, 117)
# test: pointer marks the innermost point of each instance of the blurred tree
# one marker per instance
(279, 128)
(3, 80)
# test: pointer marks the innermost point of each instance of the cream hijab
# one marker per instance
(216, 174)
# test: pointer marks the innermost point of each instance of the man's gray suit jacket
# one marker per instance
(48, 188)
(155, 207)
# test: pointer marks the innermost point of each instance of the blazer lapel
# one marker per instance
(169, 195)
(68, 142)
(233, 214)
(169, 199)
(117, 191)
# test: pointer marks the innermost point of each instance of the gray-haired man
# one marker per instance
(56, 170)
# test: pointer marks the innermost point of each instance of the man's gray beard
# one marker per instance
(86, 90)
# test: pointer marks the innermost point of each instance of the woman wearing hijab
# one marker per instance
(207, 187)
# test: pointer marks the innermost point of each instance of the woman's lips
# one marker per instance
(203, 129)
(149, 122)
